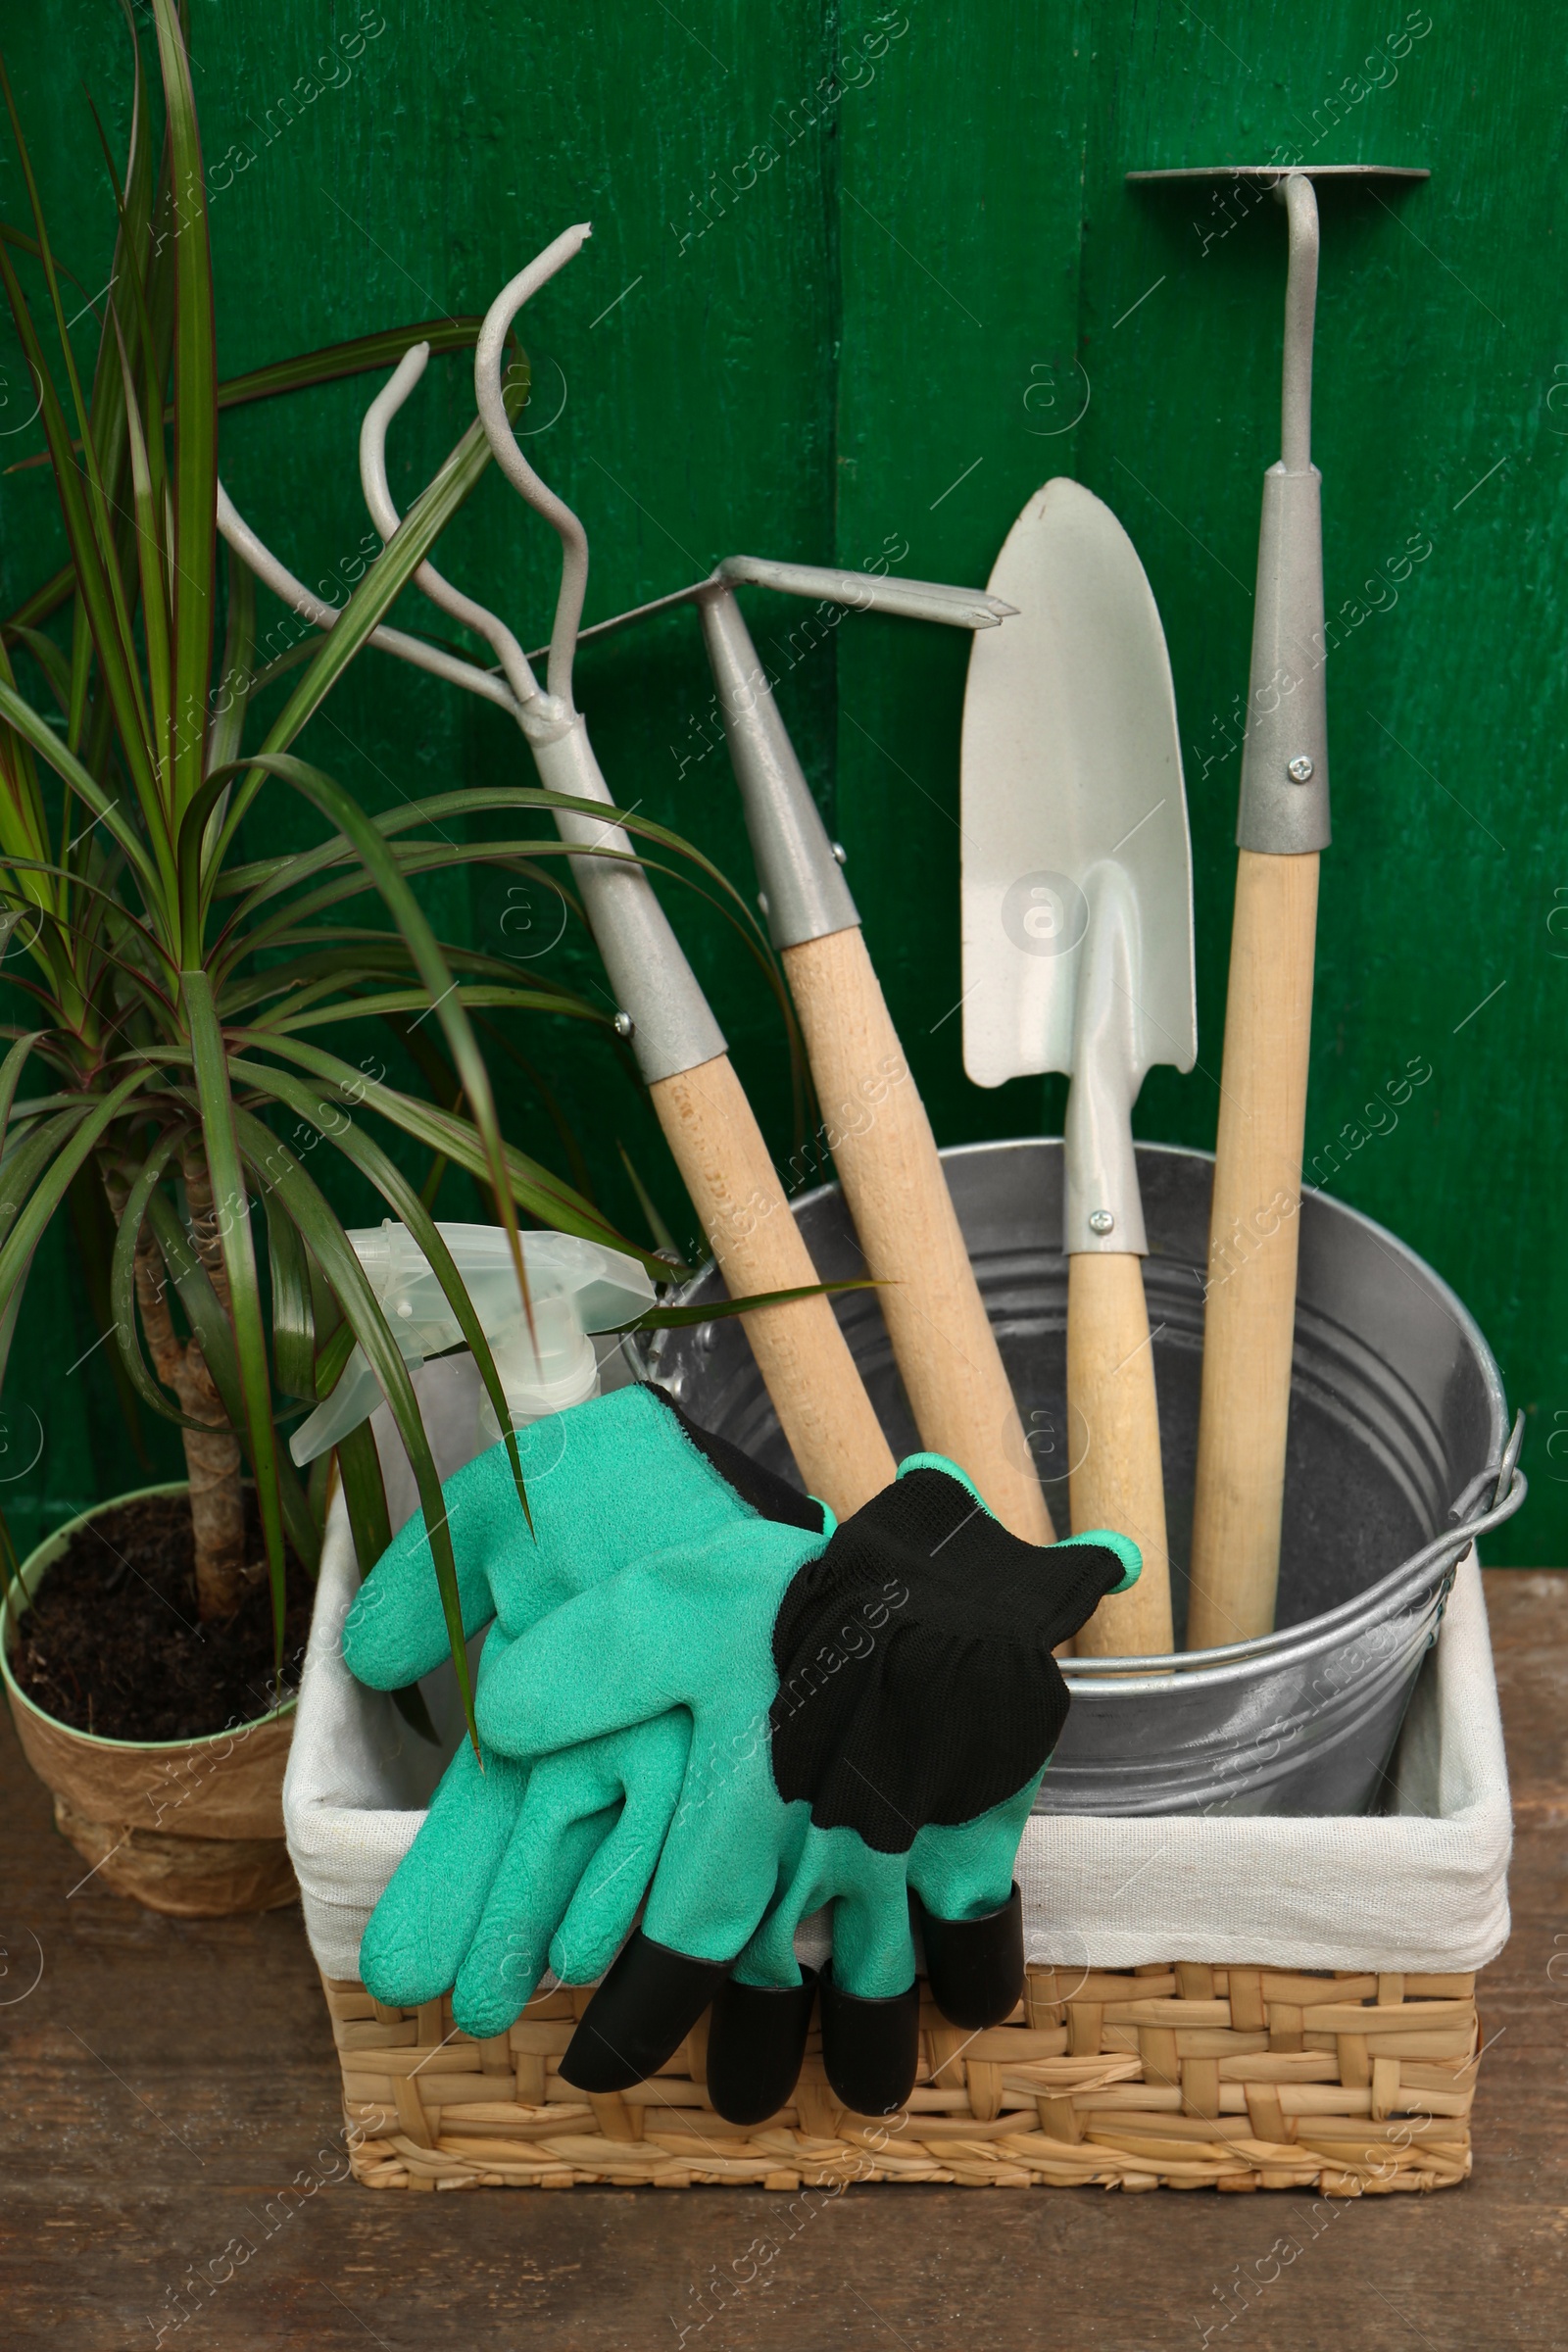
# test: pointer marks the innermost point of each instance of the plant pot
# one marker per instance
(190, 1826)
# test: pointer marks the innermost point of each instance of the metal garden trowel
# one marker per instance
(1078, 956)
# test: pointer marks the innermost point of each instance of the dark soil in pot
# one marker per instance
(113, 1645)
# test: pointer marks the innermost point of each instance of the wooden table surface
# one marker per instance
(164, 2082)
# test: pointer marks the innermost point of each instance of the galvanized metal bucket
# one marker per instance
(1399, 1456)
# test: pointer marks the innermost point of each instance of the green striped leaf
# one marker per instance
(275, 1164)
(195, 402)
(363, 1152)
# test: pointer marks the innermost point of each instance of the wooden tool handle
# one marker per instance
(818, 1393)
(1113, 1431)
(886, 1156)
(1249, 1311)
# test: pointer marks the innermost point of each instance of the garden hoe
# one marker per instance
(874, 1121)
(1249, 1312)
(1078, 956)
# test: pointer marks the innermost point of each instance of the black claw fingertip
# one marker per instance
(640, 2015)
(756, 2044)
(975, 1966)
(870, 2049)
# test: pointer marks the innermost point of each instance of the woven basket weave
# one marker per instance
(1188, 2076)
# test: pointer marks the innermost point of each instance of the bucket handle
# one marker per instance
(1496, 1476)
(1448, 1548)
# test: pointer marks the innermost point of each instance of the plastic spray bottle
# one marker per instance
(575, 1288)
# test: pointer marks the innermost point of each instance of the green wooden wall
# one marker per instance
(861, 279)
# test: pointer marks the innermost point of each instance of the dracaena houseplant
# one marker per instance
(177, 998)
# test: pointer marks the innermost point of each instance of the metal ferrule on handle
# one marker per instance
(803, 883)
(1285, 760)
(673, 1028)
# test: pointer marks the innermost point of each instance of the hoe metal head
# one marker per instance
(1270, 176)
(804, 895)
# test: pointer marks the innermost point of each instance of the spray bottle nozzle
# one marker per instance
(575, 1288)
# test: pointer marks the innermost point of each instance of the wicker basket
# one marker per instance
(1186, 2077)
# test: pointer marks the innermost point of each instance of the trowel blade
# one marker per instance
(1072, 777)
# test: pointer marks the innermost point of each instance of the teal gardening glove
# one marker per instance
(873, 1711)
(523, 1861)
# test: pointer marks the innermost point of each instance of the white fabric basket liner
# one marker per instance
(1422, 1886)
